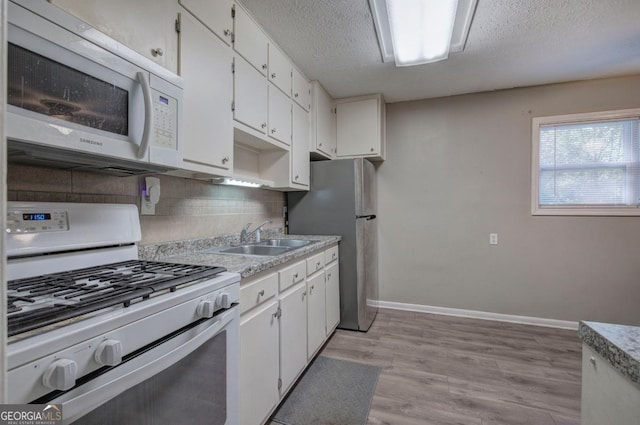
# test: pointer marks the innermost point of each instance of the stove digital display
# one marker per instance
(36, 217)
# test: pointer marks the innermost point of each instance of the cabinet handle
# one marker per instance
(333, 255)
(297, 176)
(372, 150)
(295, 95)
(157, 52)
(312, 288)
(264, 66)
(320, 144)
(295, 276)
(592, 360)
(273, 131)
(273, 75)
(329, 275)
(264, 125)
(227, 33)
(317, 264)
(261, 293)
(225, 159)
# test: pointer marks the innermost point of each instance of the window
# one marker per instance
(586, 164)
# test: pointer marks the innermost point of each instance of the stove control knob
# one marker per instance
(223, 301)
(60, 375)
(109, 352)
(206, 309)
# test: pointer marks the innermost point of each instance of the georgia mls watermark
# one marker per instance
(30, 414)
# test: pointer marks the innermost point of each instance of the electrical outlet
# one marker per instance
(493, 239)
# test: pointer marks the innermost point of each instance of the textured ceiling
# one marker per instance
(512, 43)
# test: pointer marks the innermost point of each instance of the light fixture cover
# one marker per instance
(413, 20)
(421, 29)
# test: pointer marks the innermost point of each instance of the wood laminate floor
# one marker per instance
(445, 370)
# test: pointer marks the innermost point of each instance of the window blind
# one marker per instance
(593, 163)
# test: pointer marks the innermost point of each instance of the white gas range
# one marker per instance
(108, 336)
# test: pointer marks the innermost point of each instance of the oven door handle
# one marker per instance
(82, 399)
(148, 114)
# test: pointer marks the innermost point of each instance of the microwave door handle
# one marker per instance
(148, 113)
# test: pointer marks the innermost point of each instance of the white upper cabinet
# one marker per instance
(360, 126)
(301, 91)
(205, 65)
(323, 125)
(214, 14)
(146, 26)
(250, 41)
(279, 116)
(279, 69)
(300, 166)
(250, 96)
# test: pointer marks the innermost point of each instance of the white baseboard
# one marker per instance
(484, 315)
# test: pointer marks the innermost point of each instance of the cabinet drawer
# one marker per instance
(331, 255)
(255, 293)
(292, 275)
(315, 263)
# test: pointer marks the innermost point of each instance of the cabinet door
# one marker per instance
(205, 65)
(358, 128)
(316, 324)
(250, 41)
(250, 96)
(333, 296)
(279, 69)
(325, 131)
(279, 115)
(293, 335)
(146, 26)
(259, 365)
(301, 90)
(300, 147)
(215, 15)
(608, 397)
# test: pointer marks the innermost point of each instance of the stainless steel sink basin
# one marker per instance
(290, 243)
(269, 247)
(254, 250)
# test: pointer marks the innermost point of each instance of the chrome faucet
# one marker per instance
(245, 233)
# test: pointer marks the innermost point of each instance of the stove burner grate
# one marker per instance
(43, 300)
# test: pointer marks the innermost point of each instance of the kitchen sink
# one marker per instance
(254, 249)
(269, 247)
(289, 243)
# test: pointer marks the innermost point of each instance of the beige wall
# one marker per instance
(187, 209)
(457, 169)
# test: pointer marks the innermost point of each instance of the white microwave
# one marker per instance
(78, 99)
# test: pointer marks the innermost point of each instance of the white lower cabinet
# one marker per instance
(332, 291)
(293, 335)
(259, 361)
(316, 323)
(608, 397)
(286, 317)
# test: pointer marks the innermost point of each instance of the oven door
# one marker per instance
(67, 93)
(189, 377)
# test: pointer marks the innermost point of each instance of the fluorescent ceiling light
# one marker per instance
(424, 31)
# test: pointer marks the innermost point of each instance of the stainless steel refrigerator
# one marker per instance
(342, 201)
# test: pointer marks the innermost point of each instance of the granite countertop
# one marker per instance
(619, 344)
(190, 252)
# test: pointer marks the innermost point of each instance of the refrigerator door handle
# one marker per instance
(368, 217)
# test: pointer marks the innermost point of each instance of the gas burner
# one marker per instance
(43, 300)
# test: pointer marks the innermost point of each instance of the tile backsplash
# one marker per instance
(187, 209)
